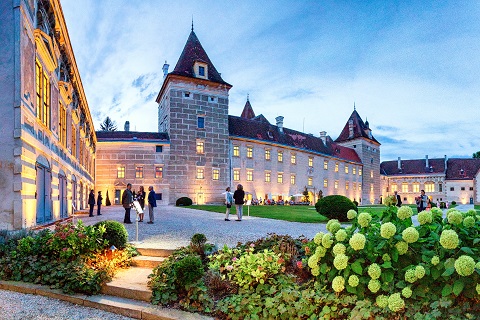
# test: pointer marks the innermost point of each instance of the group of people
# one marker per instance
(91, 202)
(423, 201)
(237, 198)
(129, 196)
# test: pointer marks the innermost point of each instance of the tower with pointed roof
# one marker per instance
(357, 135)
(193, 110)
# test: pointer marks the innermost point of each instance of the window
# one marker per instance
(62, 126)
(249, 152)
(336, 184)
(354, 170)
(236, 175)
(267, 176)
(404, 187)
(416, 187)
(249, 175)
(452, 188)
(462, 188)
(346, 185)
(201, 71)
(440, 187)
(346, 169)
(236, 151)
(470, 188)
(371, 173)
(158, 172)
(280, 156)
(280, 177)
(158, 148)
(74, 141)
(139, 172)
(215, 174)
(43, 95)
(121, 172)
(354, 186)
(200, 173)
(359, 187)
(336, 167)
(310, 161)
(292, 179)
(359, 171)
(394, 187)
(429, 186)
(371, 187)
(293, 159)
(201, 122)
(310, 181)
(186, 94)
(267, 154)
(200, 147)
(325, 183)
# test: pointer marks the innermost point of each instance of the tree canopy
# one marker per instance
(108, 125)
(476, 155)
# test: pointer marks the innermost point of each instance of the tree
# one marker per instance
(476, 155)
(305, 194)
(108, 125)
(107, 202)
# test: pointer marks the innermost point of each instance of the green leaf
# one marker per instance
(448, 272)
(357, 267)
(449, 263)
(386, 265)
(475, 241)
(447, 290)
(394, 254)
(351, 289)
(388, 276)
(458, 287)
(467, 250)
(435, 273)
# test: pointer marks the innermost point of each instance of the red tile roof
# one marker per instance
(462, 169)
(417, 166)
(247, 112)
(131, 136)
(359, 129)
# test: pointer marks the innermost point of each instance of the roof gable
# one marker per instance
(247, 112)
(359, 129)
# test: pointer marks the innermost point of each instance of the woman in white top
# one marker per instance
(228, 202)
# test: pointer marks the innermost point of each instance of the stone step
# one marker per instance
(154, 252)
(147, 261)
(130, 283)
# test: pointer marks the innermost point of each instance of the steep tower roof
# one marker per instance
(247, 112)
(356, 128)
(192, 52)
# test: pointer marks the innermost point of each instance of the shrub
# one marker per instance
(335, 207)
(454, 202)
(188, 270)
(184, 202)
(115, 233)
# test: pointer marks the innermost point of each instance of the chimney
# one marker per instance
(426, 161)
(127, 126)
(323, 136)
(165, 69)
(279, 120)
(399, 163)
(446, 161)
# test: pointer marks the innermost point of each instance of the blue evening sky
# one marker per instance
(411, 67)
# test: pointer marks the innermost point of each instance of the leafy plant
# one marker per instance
(115, 233)
(184, 201)
(335, 207)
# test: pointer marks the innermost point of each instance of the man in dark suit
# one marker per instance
(398, 198)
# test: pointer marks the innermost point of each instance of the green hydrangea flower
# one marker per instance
(340, 262)
(407, 292)
(455, 217)
(449, 239)
(386, 257)
(435, 260)
(341, 235)
(477, 265)
(333, 225)
(419, 272)
(410, 235)
(402, 247)
(320, 251)
(469, 222)
(351, 214)
(471, 212)
(338, 284)
(390, 201)
(388, 230)
(327, 240)
(313, 261)
(315, 271)
(410, 276)
(465, 265)
(374, 285)
(404, 212)
(364, 219)
(353, 281)
(339, 248)
(425, 217)
(374, 271)
(436, 212)
(395, 302)
(357, 241)
(318, 238)
(382, 301)
(478, 288)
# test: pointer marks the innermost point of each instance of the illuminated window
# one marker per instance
(200, 173)
(336, 184)
(158, 172)
(371, 173)
(249, 152)
(359, 171)
(310, 161)
(280, 178)
(429, 186)
(200, 147)
(346, 185)
(336, 167)
(325, 183)
(249, 175)
(62, 125)
(346, 169)
(236, 175)
(404, 187)
(416, 187)
(359, 187)
(394, 187)
(292, 179)
(121, 172)
(280, 156)
(267, 176)
(354, 170)
(43, 95)
(236, 151)
(139, 172)
(293, 159)
(267, 154)
(215, 174)
(325, 164)
(354, 186)
(310, 181)
(371, 188)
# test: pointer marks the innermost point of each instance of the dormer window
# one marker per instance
(200, 69)
(462, 172)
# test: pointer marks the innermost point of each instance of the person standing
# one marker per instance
(228, 202)
(141, 195)
(99, 202)
(127, 200)
(239, 196)
(398, 198)
(152, 203)
(422, 201)
(91, 202)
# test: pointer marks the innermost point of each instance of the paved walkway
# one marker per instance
(174, 227)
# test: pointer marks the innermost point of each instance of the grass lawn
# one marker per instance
(306, 214)
(379, 208)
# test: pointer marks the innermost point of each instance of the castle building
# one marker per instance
(47, 163)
